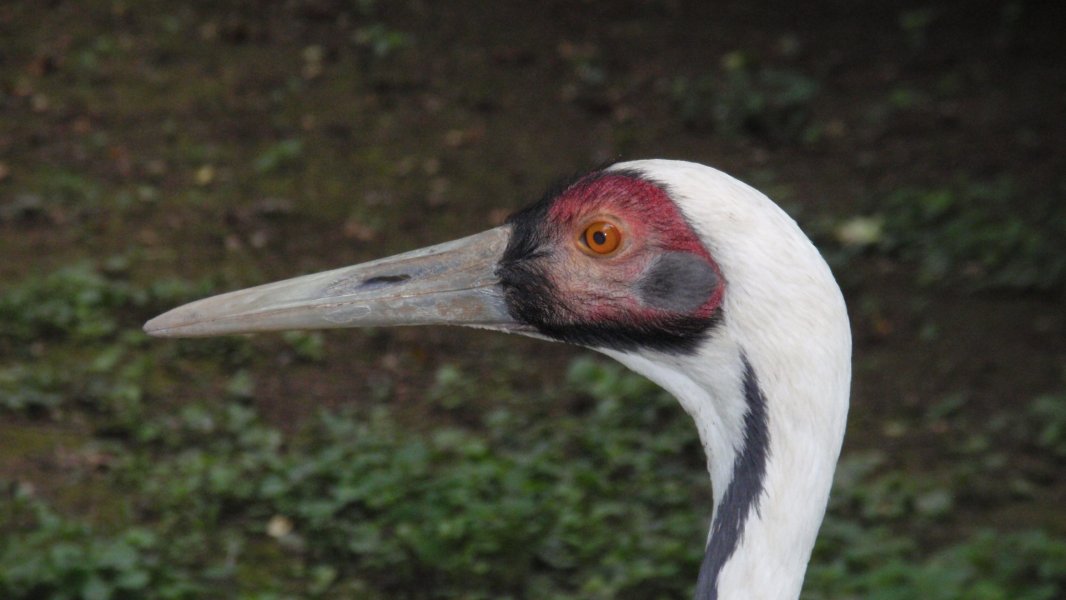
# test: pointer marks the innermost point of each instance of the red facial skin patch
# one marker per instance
(651, 225)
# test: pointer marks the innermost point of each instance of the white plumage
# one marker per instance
(784, 308)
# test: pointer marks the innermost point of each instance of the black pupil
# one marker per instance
(600, 238)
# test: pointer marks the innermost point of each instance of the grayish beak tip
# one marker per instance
(157, 328)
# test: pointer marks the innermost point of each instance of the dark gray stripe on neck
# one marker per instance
(744, 489)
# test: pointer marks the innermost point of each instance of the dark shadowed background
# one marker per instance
(154, 152)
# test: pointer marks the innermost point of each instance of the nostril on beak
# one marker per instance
(383, 280)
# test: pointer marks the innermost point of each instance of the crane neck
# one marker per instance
(771, 446)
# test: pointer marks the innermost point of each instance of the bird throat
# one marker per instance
(731, 413)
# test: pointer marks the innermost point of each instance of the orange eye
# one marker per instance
(602, 237)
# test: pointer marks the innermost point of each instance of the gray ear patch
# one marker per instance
(678, 282)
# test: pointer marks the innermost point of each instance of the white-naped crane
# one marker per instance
(680, 272)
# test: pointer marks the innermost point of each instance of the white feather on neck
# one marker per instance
(784, 311)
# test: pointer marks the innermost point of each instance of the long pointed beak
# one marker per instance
(452, 283)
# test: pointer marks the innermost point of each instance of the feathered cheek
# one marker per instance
(680, 283)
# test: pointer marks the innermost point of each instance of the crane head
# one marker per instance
(607, 260)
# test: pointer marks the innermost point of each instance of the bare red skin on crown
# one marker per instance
(650, 220)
